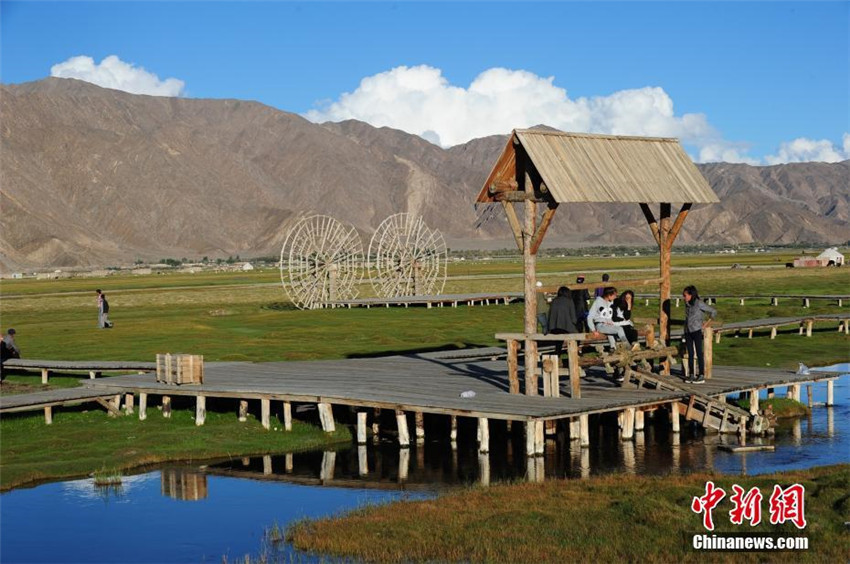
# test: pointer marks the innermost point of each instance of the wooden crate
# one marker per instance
(180, 368)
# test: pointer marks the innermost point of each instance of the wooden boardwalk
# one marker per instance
(436, 300)
(93, 367)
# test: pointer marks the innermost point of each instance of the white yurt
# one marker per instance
(833, 255)
(247, 266)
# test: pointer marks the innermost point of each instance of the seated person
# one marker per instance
(599, 318)
(622, 310)
(562, 316)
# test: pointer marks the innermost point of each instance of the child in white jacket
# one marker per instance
(599, 318)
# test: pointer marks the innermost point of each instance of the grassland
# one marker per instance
(603, 519)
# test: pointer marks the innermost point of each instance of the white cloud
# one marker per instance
(420, 100)
(803, 150)
(114, 73)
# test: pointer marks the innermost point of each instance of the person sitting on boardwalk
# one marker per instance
(8, 349)
(598, 293)
(562, 316)
(599, 319)
(542, 309)
(695, 322)
(622, 310)
(580, 298)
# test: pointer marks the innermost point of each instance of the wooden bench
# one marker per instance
(573, 342)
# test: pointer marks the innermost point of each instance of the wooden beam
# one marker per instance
(664, 271)
(545, 221)
(518, 196)
(621, 284)
(530, 317)
(513, 221)
(650, 219)
(677, 225)
(501, 186)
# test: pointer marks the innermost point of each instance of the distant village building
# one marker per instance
(830, 257)
(247, 266)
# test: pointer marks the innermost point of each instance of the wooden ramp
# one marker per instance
(49, 399)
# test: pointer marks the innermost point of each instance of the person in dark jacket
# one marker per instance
(695, 322)
(605, 278)
(622, 310)
(580, 298)
(562, 316)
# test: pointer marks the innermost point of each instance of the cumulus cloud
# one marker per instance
(420, 100)
(804, 150)
(114, 73)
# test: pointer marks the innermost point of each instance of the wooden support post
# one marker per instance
(674, 416)
(742, 301)
(287, 416)
(771, 393)
(403, 436)
(627, 426)
(129, 401)
(513, 366)
(166, 407)
(575, 369)
(483, 435)
(376, 423)
(326, 416)
(200, 410)
(754, 402)
(750, 334)
(773, 332)
(265, 413)
(717, 337)
(243, 410)
(143, 406)
(530, 268)
(639, 420)
(774, 301)
(575, 428)
(830, 393)
(677, 301)
(708, 351)
(805, 302)
(93, 374)
(419, 418)
(45, 374)
(361, 427)
(584, 430)
(48, 415)
(453, 431)
(809, 400)
(267, 465)
(794, 391)
(664, 232)
(809, 324)
(551, 376)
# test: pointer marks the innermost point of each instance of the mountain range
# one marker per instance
(93, 177)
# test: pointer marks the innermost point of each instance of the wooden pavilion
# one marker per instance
(551, 168)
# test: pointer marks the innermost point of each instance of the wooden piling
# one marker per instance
(483, 435)
(326, 416)
(708, 351)
(48, 415)
(403, 436)
(809, 401)
(674, 416)
(754, 402)
(830, 392)
(419, 419)
(771, 393)
(627, 424)
(129, 400)
(361, 427)
(809, 324)
(287, 416)
(575, 428)
(267, 465)
(45, 374)
(376, 423)
(639, 420)
(200, 410)
(773, 332)
(243, 410)
(166, 407)
(143, 406)
(453, 431)
(265, 413)
(513, 366)
(575, 369)
(584, 430)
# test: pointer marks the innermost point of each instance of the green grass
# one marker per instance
(603, 519)
(782, 407)
(79, 443)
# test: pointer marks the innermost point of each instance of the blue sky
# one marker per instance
(746, 81)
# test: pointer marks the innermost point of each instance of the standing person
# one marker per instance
(11, 346)
(562, 316)
(695, 322)
(105, 308)
(4, 354)
(600, 318)
(542, 308)
(598, 293)
(99, 309)
(622, 309)
(580, 298)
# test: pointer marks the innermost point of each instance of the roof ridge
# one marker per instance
(595, 135)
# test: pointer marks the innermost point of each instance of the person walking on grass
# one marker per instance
(695, 322)
(102, 311)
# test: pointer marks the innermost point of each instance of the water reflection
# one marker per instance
(183, 484)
